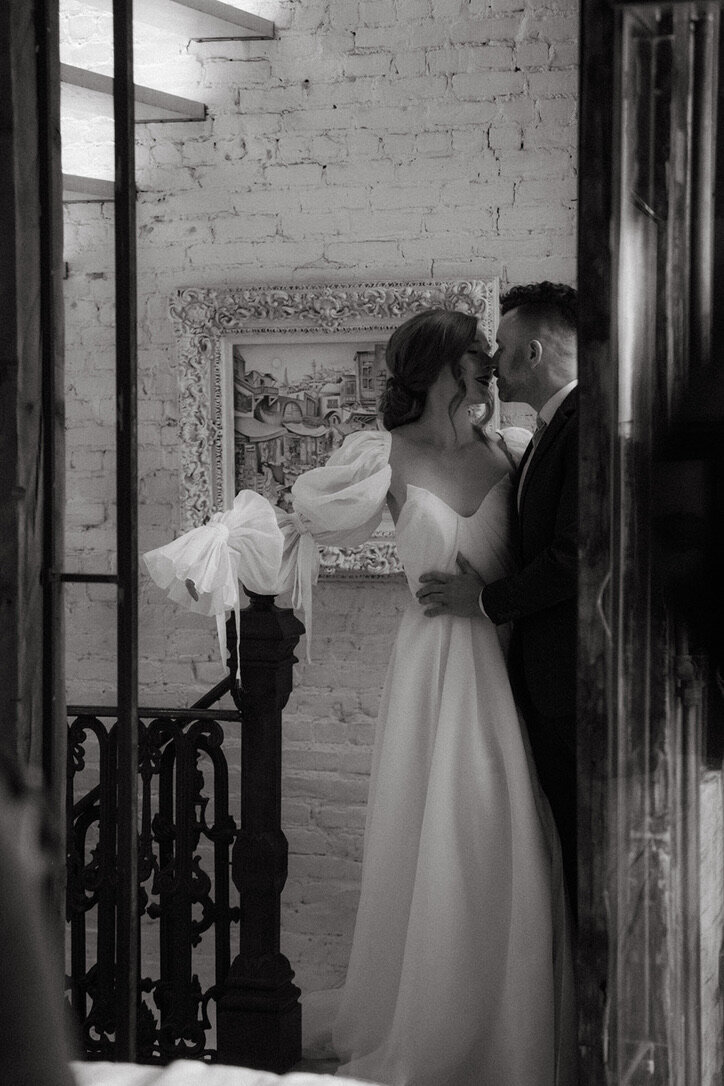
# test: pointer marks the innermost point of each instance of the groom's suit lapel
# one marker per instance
(537, 456)
(523, 461)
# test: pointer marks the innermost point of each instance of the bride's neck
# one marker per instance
(436, 427)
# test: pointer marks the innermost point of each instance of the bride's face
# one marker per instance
(477, 370)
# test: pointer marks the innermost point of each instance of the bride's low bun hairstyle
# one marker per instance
(417, 353)
(400, 403)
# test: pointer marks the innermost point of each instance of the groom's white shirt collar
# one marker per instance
(550, 407)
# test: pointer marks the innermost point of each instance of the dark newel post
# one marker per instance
(259, 1014)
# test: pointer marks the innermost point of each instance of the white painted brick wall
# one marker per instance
(381, 138)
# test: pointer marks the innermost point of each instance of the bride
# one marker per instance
(460, 971)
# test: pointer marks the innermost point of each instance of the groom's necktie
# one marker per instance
(540, 426)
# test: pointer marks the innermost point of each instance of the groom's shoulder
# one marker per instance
(567, 412)
(570, 404)
(564, 426)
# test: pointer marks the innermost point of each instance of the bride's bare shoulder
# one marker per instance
(402, 462)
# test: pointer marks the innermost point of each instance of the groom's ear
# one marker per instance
(535, 352)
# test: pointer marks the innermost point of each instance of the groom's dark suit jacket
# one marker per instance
(540, 599)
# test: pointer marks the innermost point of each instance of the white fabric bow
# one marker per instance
(200, 570)
(273, 551)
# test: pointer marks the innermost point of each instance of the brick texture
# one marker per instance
(386, 138)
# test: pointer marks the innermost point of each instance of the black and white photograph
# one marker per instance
(361, 655)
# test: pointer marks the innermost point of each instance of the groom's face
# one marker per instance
(511, 358)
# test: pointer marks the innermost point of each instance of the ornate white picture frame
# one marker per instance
(214, 325)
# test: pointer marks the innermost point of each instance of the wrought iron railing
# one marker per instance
(175, 881)
(189, 844)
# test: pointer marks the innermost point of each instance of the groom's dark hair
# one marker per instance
(555, 304)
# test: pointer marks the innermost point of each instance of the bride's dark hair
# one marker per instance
(417, 353)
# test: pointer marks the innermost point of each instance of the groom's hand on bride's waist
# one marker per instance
(451, 593)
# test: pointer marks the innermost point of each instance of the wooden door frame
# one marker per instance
(601, 787)
(32, 706)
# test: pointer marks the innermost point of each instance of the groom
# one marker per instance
(536, 362)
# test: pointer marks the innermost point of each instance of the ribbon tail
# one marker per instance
(235, 562)
(305, 576)
(221, 634)
(307, 612)
(237, 619)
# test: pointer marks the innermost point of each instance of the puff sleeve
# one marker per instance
(515, 440)
(339, 504)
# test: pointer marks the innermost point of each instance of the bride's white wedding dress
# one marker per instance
(460, 971)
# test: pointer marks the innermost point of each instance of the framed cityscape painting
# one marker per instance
(294, 402)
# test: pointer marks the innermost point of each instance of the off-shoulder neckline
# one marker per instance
(441, 501)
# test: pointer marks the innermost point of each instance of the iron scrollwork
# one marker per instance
(186, 834)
